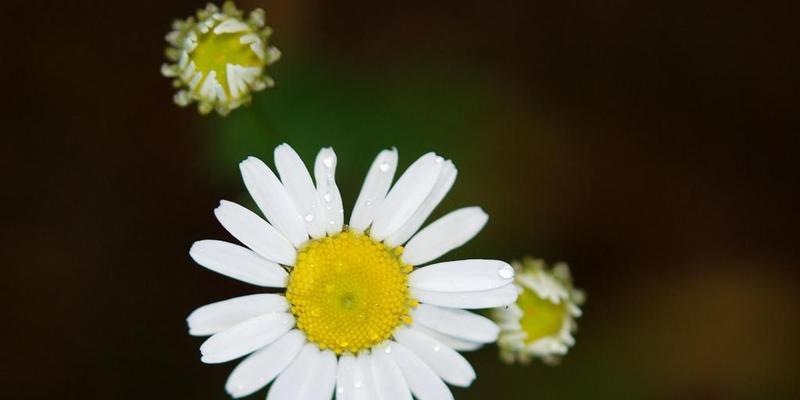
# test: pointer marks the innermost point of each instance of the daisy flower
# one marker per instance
(219, 58)
(542, 322)
(358, 317)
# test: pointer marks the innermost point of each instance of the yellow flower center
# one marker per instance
(215, 51)
(541, 317)
(349, 292)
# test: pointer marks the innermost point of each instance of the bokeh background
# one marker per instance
(652, 145)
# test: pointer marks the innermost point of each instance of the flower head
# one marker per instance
(542, 321)
(358, 314)
(218, 58)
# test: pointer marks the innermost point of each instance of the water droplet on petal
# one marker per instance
(328, 161)
(328, 197)
(506, 272)
(384, 166)
(437, 348)
(309, 217)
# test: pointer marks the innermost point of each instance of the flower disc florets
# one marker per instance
(218, 58)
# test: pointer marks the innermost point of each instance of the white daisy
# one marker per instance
(357, 315)
(542, 322)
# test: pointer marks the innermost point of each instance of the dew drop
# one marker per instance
(328, 161)
(437, 348)
(506, 272)
(384, 166)
(309, 217)
(328, 197)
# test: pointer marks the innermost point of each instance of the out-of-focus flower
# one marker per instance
(218, 58)
(542, 322)
(356, 315)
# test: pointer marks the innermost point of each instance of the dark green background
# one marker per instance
(650, 145)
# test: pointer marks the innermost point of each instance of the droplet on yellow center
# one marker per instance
(349, 292)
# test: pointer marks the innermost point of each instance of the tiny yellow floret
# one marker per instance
(349, 292)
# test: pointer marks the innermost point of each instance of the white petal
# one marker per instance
(345, 377)
(255, 233)
(470, 300)
(273, 200)
(216, 317)
(261, 367)
(364, 386)
(457, 323)
(462, 276)
(452, 342)
(298, 184)
(389, 381)
(451, 366)
(325, 175)
(238, 262)
(406, 196)
(446, 179)
(444, 234)
(373, 192)
(424, 383)
(293, 379)
(321, 380)
(246, 337)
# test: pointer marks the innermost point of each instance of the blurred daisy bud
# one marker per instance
(218, 58)
(542, 322)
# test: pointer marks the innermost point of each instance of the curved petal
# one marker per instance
(345, 377)
(292, 380)
(261, 367)
(452, 342)
(298, 184)
(462, 276)
(446, 179)
(246, 337)
(444, 234)
(389, 381)
(273, 200)
(452, 367)
(321, 380)
(424, 383)
(325, 175)
(373, 192)
(362, 378)
(406, 196)
(237, 262)
(216, 317)
(469, 300)
(457, 323)
(254, 232)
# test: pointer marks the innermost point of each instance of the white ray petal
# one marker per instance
(457, 323)
(320, 381)
(452, 367)
(238, 262)
(246, 337)
(389, 381)
(446, 179)
(273, 200)
(470, 300)
(453, 342)
(297, 181)
(364, 386)
(325, 176)
(406, 196)
(444, 234)
(230, 26)
(424, 383)
(462, 276)
(373, 192)
(293, 379)
(345, 377)
(254, 232)
(261, 367)
(216, 317)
